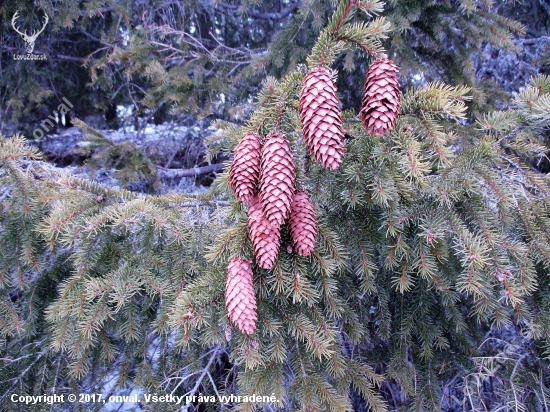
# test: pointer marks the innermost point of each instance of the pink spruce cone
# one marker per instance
(265, 237)
(277, 179)
(321, 118)
(244, 172)
(240, 300)
(303, 224)
(382, 97)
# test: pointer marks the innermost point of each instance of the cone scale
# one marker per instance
(321, 117)
(265, 237)
(244, 172)
(277, 179)
(303, 224)
(240, 300)
(382, 97)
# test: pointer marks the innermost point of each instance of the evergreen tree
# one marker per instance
(209, 58)
(427, 288)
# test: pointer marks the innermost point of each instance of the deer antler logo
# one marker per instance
(30, 40)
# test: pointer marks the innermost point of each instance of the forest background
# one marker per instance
(116, 226)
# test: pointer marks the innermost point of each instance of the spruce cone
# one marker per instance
(240, 300)
(303, 224)
(382, 98)
(277, 179)
(322, 118)
(228, 333)
(245, 168)
(265, 237)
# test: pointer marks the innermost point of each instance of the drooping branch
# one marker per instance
(196, 171)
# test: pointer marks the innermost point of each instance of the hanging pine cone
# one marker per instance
(228, 333)
(382, 97)
(265, 237)
(245, 168)
(322, 118)
(240, 300)
(277, 179)
(303, 224)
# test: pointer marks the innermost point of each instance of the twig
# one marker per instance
(196, 171)
(213, 384)
(8, 360)
(193, 391)
(22, 374)
(542, 392)
(512, 379)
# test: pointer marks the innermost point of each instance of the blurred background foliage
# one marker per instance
(168, 60)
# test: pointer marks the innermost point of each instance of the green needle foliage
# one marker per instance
(130, 163)
(428, 288)
(431, 237)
